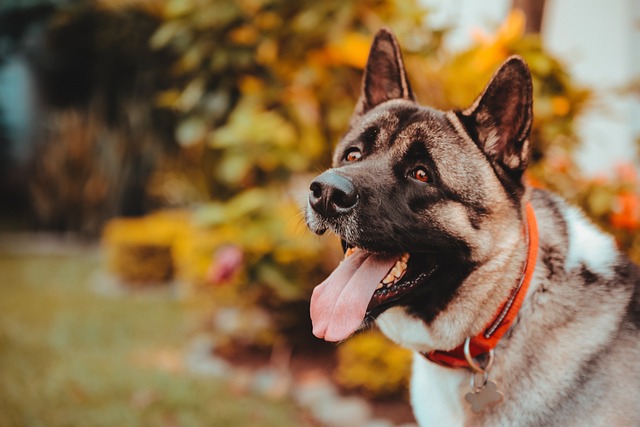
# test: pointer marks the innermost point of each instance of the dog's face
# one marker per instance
(423, 200)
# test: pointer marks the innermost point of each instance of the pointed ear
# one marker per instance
(384, 76)
(499, 121)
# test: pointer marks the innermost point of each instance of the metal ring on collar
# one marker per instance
(475, 386)
(475, 366)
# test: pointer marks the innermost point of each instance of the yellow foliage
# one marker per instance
(140, 264)
(510, 31)
(371, 363)
(153, 7)
(139, 250)
(158, 245)
(560, 105)
(244, 35)
(267, 20)
(351, 49)
(168, 98)
(177, 8)
(466, 74)
(265, 226)
(250, 85)
(160, 228)
(267, 52)
(494, 49)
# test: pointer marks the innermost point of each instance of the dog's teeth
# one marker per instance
(397, 271)
(389, 278)
(401, 272)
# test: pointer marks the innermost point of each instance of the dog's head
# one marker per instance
(428, 204)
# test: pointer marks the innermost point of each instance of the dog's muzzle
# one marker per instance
(332, 194)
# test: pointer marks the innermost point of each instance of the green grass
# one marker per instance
(71, 357)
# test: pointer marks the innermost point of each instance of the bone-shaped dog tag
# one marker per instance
(484, 397)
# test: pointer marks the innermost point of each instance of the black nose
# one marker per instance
(332, 194)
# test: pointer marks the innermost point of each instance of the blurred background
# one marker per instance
(155, 268)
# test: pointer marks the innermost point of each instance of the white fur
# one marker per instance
(491, 140)
(405, 330)
(435, 393)
(588, 245)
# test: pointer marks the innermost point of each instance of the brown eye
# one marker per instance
(353, 155)
(420, 174)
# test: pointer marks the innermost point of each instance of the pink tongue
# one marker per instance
(339, 304)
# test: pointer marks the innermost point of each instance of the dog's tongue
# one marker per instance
(339, 304)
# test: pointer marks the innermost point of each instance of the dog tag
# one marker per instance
(484, 397)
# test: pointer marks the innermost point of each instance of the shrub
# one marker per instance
(140, 250)
(263, 88)
(370, 363)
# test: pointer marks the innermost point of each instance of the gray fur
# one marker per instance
(571, 356)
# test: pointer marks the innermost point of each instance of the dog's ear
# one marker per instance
(500, 119)
(384, 76)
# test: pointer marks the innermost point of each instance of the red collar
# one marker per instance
(506, 314)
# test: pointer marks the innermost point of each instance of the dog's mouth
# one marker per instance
(409, 272)
(362, 287)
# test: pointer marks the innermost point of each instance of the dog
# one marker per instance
(519, 311)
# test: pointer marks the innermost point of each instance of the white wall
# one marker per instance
(595, 38)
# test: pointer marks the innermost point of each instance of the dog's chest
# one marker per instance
(436, 394)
